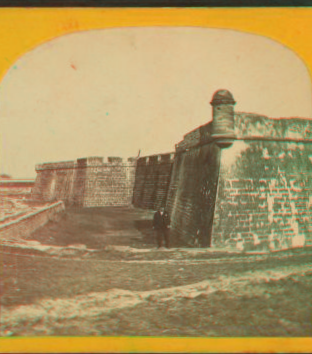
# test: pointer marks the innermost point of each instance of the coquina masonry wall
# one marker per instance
(87, 182)
(152, 179)
(244, 184)
(192, 195)
(264, 196)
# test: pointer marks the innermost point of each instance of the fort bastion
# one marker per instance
(242, 180)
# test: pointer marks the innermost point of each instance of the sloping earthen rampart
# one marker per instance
(25, 225)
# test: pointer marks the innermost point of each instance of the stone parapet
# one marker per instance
(90, 181)
(55, 165)
(248, 126)
(156, 159)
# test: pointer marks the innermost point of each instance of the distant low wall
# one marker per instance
(16, 187)
(152, 179)
(27, 224)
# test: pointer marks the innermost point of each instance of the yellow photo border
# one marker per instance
(23, 29)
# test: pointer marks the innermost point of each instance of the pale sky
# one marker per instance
(112, 92)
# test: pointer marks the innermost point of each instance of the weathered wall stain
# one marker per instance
(192, 195)
(264, 197)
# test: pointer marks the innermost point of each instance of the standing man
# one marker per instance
(161, 225)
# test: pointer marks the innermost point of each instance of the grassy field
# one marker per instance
(253, 294)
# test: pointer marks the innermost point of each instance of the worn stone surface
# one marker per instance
(264, 196)
(223, 113)
(255, 125)
(256, 187)
(251, 125)
(89, 182)
(152, 179)
(192, 195)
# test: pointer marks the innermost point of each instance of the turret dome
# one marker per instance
(222, 97)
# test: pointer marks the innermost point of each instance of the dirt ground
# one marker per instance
(99, 227)
(115, 282)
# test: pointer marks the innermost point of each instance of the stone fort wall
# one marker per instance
(242, 180)
(152, 180)
(247, 187)
(264, 198)
(87, 182)
(90, 182)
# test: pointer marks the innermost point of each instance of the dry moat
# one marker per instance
(108, 278)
